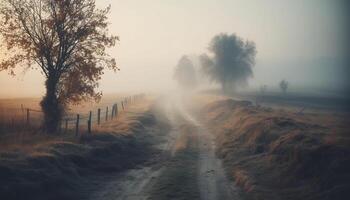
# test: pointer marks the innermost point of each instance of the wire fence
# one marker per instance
(77, 122)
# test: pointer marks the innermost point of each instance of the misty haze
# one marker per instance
(210, 100)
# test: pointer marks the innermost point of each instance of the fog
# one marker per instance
(301, 41)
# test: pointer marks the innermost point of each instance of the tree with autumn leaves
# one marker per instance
(66, 40)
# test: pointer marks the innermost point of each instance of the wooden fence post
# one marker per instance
(112, 112)
(99, 116)
(115, 110)
(66, 126)
(60, 128)
(28, 116)
(89, 123)
(77, 125)
(107, 113)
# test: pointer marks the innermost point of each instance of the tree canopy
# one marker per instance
(185, 73)
(284, 86)
(231, 61)
(65, 39)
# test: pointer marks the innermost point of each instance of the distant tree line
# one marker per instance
(230, 63)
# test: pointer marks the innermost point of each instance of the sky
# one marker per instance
(301, 41)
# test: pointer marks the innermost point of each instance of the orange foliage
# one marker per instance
(65, 39)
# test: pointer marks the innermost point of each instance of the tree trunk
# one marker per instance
(51, 106)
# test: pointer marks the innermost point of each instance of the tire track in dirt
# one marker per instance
(195, 172)
(135, 184)
(212, 181)
(188, 167)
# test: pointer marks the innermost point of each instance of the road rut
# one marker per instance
(189, 170)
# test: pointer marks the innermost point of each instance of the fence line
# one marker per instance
(91, 118)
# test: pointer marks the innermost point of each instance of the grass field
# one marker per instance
(34, 165)
(280, 154)
(16, 133)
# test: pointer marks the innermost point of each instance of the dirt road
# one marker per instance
(188, 169)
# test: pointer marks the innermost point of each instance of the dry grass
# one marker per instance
(198, 101)
(14, 110)
(277, 154)
(62, 166)
(16, 135)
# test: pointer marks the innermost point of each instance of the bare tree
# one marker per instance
(284, 86)
(66, 40)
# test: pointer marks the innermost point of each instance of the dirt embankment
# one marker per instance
(282, 155)
(66, 170)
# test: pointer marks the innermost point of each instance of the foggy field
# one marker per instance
(14, 110)
(66, 164)
(13, 105)
(174, 100)
(305, 102)
(185, 139)
(16, 133)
